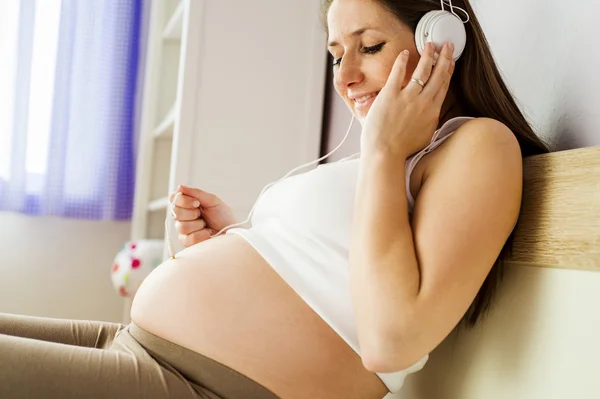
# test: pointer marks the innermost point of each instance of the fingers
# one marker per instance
(442, 73)
(183, 201)
(191, 232)
(206, 199)
(185, 214)
(189, 227)
(440, 96)
(398, 72)
(423, 70)
(184, 207)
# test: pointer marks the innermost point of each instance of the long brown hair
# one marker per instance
(481, 92)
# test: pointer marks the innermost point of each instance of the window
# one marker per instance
(44, 32)
(9, 13)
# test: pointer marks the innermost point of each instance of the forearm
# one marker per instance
(384, 272)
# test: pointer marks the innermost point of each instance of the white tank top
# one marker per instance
(301, 226)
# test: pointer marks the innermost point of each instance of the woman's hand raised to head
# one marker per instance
(402, 120)
(198, 214)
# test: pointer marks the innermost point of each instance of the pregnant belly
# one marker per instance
(222, 300)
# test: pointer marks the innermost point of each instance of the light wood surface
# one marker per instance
(559, 225)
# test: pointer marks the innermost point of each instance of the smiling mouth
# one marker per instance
(365, 99)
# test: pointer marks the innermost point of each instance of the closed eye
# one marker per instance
(373, 49)
(366, 50)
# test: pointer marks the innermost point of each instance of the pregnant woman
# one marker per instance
(350, 274)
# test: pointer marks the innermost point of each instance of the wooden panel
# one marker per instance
(559, 226)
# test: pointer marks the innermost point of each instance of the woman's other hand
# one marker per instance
(198, 214)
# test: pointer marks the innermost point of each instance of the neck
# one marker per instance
(450, 109)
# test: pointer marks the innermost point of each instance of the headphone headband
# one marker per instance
(452, 7)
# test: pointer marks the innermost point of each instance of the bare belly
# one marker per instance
(222, 300)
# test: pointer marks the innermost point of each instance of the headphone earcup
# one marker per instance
(440, 27)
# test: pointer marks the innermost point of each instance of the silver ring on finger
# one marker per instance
(418, 81)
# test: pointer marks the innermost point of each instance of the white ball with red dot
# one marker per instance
(133, 263)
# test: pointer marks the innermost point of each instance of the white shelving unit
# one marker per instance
(165, 128)
(174, 39)
(174, 26)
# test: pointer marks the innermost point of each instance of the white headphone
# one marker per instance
(441, 26)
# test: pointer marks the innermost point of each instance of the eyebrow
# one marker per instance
(357, 32)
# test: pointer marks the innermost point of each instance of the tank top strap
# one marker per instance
(439, 136)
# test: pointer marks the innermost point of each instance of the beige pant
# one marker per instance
(55, 358)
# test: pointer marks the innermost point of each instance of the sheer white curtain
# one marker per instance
(68, 81)
(25, 130)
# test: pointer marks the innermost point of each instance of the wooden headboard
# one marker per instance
(559, 225)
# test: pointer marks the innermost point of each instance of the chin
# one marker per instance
(360, 116)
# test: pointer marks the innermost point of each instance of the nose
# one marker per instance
(349, 72)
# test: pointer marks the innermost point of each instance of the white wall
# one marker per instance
(260, 95)
(59, 268)
(547, 52)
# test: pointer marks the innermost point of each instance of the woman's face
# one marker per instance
(365, 39)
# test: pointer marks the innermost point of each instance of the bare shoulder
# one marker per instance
(481, 145)
(487, 132)
(486, 137)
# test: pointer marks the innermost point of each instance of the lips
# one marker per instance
(364, 101)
